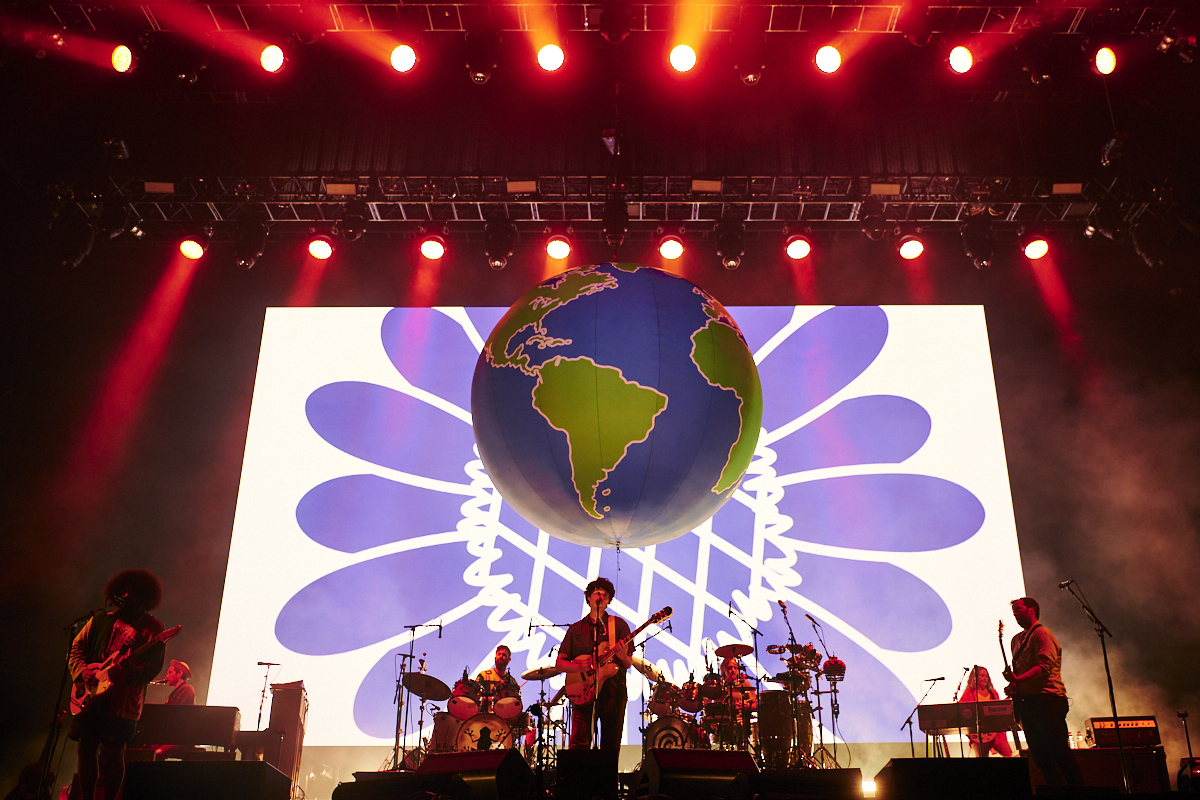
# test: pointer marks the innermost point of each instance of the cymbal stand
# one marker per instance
(833, 703)
(539, 711)
(795, 707)
(401, 691)
(754, 634)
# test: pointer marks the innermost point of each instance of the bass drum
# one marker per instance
(445, 733)
(784, 729)
(671, 732)
(484, 732)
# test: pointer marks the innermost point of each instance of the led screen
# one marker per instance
(877, 503)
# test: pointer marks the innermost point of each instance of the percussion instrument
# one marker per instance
(794, 682)
(665, 699)
(711, 689)
(806, 658)
(784, 729)
(484, 732)
(464, 700)
(689, 697)
(426, 687)
(670, 732)
(734, 650)
(540, 673)
(834, 669)
(507, 708)
(646, 668)
(445, 733)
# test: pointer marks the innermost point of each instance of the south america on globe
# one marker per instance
(616, 406)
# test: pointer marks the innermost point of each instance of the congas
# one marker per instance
(664, 700)
(784, 729)
(484, 732)
(464, 700)
(445, 733)
(670, 732)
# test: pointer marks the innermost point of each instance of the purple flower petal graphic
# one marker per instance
(391, 429)
(356, 512)
(759, 324)
(431, 351)
(900, 513)
(880, 429)
(893, 608)
(445, 658)
(820, 359)
(372, 601)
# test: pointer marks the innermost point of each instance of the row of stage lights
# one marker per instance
(550, 57)
(500, 238)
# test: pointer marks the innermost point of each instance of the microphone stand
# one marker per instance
(833, 701)
(1102, 631)
(911, 746)
(406, 661)
(754, 634)
(794, 705)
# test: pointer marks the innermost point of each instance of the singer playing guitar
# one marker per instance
(586, 638)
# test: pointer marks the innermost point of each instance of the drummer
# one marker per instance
(736, 684)
(504, 684)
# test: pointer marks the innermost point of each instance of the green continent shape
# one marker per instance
(537, 304)
(601, 413)
(720, 353)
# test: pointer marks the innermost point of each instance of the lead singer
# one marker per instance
(584, 638)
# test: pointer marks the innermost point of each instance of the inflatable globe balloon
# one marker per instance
(616, 406)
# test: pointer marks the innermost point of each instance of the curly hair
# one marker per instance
(601, 583)
(138, 585)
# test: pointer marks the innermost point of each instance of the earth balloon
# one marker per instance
(616, 405)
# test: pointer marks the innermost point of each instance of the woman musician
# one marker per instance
(979, 687)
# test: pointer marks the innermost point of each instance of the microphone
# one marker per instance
(1065, 584)
(730, 612)
(782, 605)
(267, 664)
(439, 629)
(810, 619)
(935, 680)
(159, 682)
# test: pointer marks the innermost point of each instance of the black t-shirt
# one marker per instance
(581, 637)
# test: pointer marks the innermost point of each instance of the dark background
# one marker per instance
(1101, 423)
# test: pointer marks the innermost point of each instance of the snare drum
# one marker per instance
(664, 700)
(689, 697)
(464, 700)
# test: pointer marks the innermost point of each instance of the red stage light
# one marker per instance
(320, 247)
(961, 59)
(550, 57)
(404, 58)
(911, 247)
(798, 247)
(122, 58)
(558, 247)
(683, 58)
(828, 59)
(1105, 61)
(271, 58)
(193, 247)
(433, 247)
(670, 247)
(1035, 248)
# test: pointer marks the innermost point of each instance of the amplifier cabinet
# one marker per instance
(1101, 766)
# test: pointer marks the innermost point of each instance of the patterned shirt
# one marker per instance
(106, 634)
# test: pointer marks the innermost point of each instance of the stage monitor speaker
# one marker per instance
(953, 778)
(474, 775)
(586, 774)
(807, 784)
(205, 780)
(687, 774)
(289, 714)
(1101, 767)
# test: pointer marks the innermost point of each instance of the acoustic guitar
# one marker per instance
(581, 687)
(85, 692)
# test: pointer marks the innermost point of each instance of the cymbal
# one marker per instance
(426, 687)
(646, 668)
(735, 650)
(539, 673)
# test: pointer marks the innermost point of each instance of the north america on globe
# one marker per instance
(616, 405)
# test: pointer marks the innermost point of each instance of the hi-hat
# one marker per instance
(540, 673)
(734, 650)
(426, 687)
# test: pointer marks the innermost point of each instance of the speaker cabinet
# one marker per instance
(686, 774)
(201, 780)
(586, 774)
(1101, 767)
(478, 775)
(808, 784)
(952, 778)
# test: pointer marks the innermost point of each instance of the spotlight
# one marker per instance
(828, 59)
(320, 247)
(961, 59)
(122, 58)
(978, 244)
(731, 242)
(558, 246)
(404, 58)
(195, 245)
(250, 243)
(482, 50)
(616, 220)
(670, 246)
(615, 21)
(550, 57)
(353, 222)
(870, 214)
(798, 247)
(271, 58)
(433, 247)
(683, 58)
(1105, 61)
(1034, 246)
(748, 60)
(499, 237)
(910, 247)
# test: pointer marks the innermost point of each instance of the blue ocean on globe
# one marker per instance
(616, 405)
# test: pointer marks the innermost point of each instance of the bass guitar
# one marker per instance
(85, 691)
(581, 687)
(1010, 690)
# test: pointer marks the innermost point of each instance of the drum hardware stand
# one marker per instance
(1183, 715)
(1103, 631)
(263, 697)
(911, 746)
(399, 699)
(833, 702)
(756, 747)
(809, 758)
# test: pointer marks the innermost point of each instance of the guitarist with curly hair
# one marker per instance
(113, 657)
(591, 638)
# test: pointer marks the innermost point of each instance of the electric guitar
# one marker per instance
(581, 687)
(84, 692)
(1010, 690)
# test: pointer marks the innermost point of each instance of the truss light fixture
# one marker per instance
(871, 217)
(1034, 246)
(250, 243)
(828, 59)
(978, 243)
(404, 58)
(499, 238)
(798, 247)
(1104, 61)
(320, 247)
(615, 21)
(482, 55)
(353, 222)
(670, 246)
(122, 58)
(558, 246)
(616, 220)
(550, 57)
(271, 58)
(683, 58)
(195, 244)
(731, 242)
(910, 247)
(961, 60)
(433, 246)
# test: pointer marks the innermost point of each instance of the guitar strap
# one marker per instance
(612, 631)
